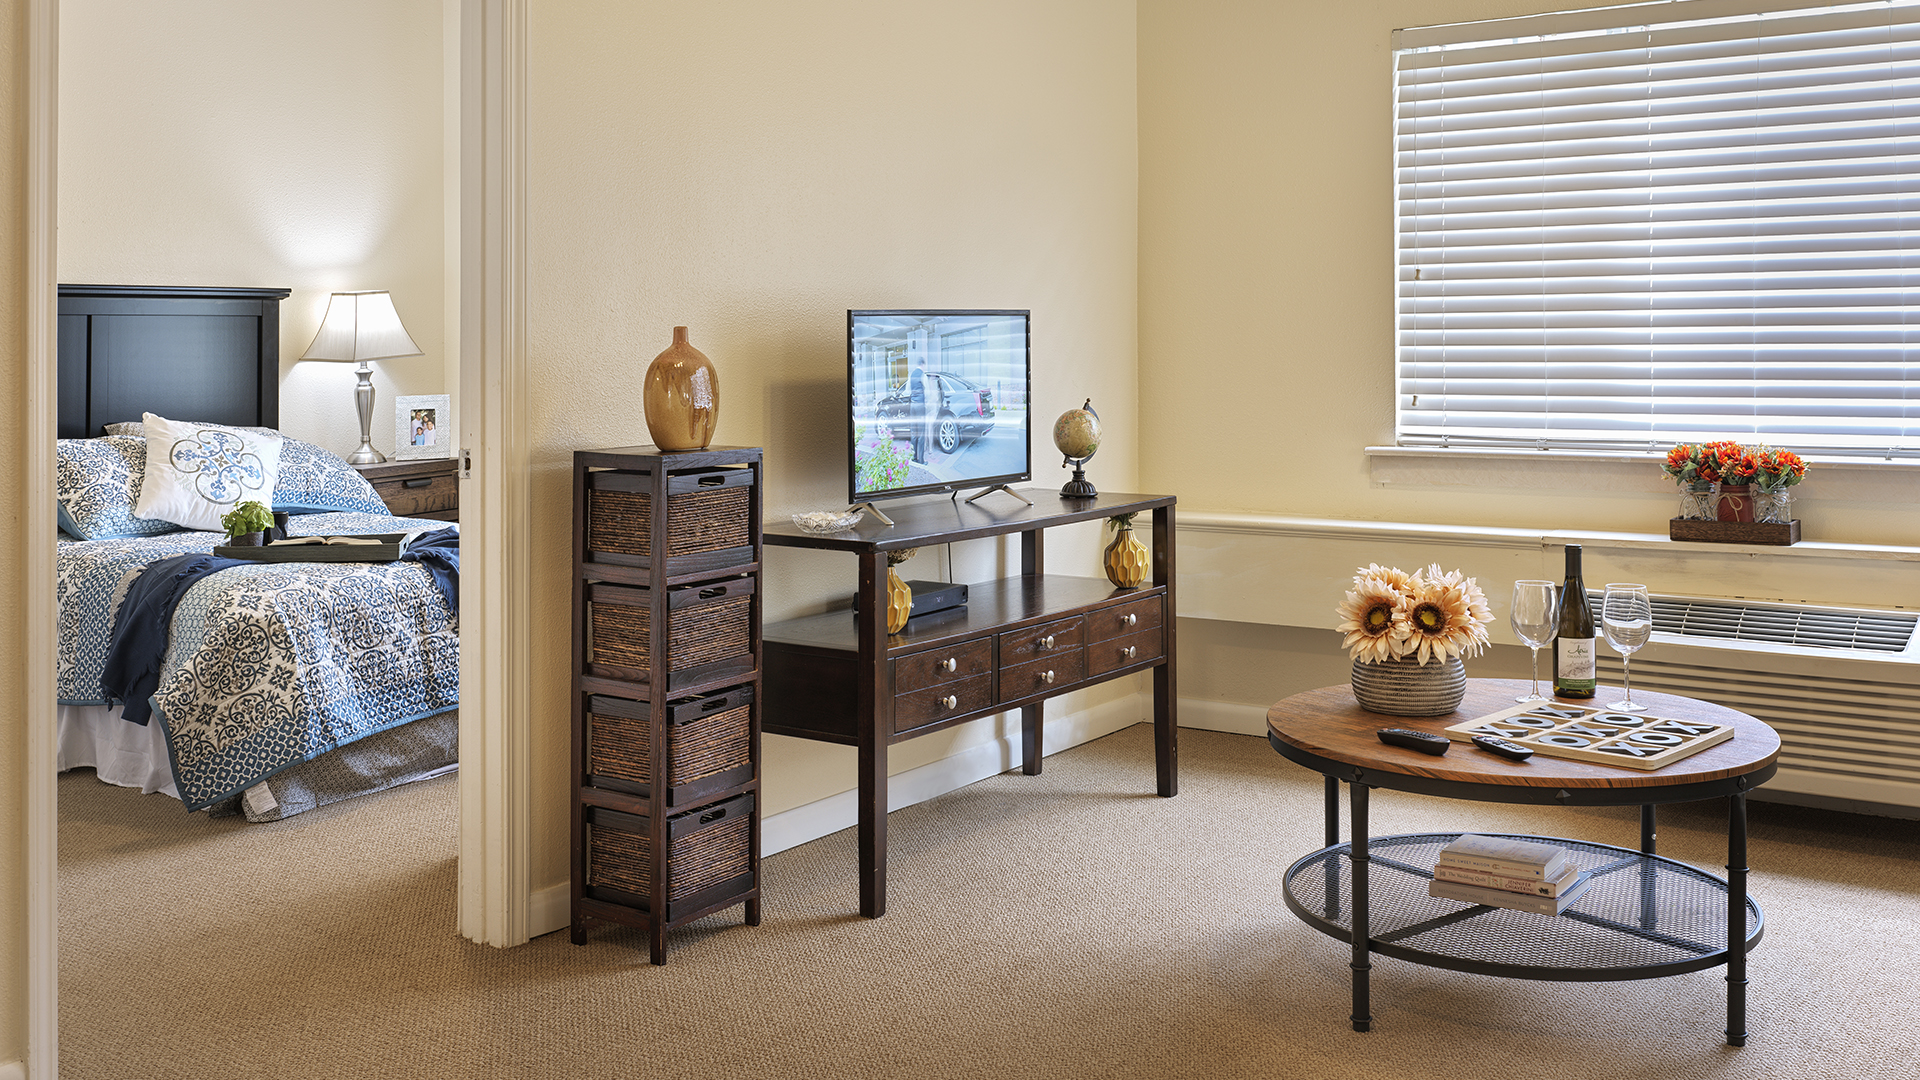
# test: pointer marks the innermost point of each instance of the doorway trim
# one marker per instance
(496, 575)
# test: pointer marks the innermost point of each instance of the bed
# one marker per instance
(284, 686)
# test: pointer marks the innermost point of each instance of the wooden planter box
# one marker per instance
(1735, 532)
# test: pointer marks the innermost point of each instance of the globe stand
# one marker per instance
(1079, 487)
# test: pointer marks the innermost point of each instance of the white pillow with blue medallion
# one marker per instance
(312, 480)
(198, 472)
(97, 482)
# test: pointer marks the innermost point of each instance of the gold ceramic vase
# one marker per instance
(1126, 557)
(682, 396)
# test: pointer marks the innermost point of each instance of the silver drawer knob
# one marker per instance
(949, 701)
(1046, 677)
(1046, 642)
(1129, 619)
(949, 664)
(1128, 652)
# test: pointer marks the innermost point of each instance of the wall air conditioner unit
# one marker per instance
(1840, 685)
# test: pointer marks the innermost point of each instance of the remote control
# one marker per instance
(1424, 741)
(1506, 748)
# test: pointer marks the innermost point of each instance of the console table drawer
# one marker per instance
(937, 703)
(1112, 622)
(1039, 642)
(1105, 656)
(1043, 675)
(935, 667)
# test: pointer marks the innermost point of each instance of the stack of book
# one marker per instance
(1524, 875)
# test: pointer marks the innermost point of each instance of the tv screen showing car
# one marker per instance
(937, 401)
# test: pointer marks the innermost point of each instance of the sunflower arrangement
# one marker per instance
(1430, 614)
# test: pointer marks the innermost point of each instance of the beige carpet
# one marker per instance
(1065, 925)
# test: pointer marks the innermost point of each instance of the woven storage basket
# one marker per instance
(708, 737)
(705, 847)
(698, 633)
(698, 521)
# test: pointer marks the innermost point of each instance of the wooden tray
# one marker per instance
(1735, 532)
(1589, 733)
(387, 550)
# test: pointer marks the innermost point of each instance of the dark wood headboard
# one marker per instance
(182, 352)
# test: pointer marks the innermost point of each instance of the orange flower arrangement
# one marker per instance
(1777, 469)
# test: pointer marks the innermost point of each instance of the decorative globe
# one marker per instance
(1077, 433)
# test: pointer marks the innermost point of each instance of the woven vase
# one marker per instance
(1405, 687)
(1126, 559)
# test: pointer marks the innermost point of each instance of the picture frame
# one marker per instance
(423, 426)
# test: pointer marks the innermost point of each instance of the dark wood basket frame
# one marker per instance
(725, 575)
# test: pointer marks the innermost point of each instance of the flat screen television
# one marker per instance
(937, 401)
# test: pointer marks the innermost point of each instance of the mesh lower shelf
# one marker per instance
(1643, 917)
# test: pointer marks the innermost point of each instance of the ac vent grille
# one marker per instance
(1846, 729)
(1818, 628)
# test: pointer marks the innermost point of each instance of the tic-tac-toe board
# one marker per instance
(1634, 740)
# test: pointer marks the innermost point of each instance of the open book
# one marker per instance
(327, 540)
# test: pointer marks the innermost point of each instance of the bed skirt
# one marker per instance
(135, 756)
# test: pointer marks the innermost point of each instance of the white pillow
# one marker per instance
(198, 472)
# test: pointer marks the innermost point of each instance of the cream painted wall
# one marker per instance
(1266, 311)
(13, 584)
(751, 169)
(1267, 273)
(230, 142)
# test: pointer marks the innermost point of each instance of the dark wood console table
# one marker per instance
(1020, 640)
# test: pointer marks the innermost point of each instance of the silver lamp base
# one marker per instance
(363, 401)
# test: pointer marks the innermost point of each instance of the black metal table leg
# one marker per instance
(1333, 811)
(1648, 834)
(1649, 906)
(1737, 919)
(1330, 890)
(1362, 933)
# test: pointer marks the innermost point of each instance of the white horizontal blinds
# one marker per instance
(1698, 228)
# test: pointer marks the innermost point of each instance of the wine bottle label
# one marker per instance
(1575, 671)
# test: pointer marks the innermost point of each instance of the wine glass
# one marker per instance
(1626, 617)
(1534, 621)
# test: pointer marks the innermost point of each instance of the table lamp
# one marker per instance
(360, 327)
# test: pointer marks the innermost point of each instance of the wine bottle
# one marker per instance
(1573, 649)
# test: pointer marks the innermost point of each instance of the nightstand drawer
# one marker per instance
(422, 489)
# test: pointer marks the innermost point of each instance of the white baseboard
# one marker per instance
(549, 908)
(1228, 716)
(13, 1070)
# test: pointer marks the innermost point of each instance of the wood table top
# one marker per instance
(1327, 724)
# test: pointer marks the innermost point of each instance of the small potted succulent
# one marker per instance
(248, 524)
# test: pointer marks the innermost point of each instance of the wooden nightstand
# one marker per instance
(427, 488)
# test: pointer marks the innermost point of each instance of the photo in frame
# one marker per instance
(423, 426)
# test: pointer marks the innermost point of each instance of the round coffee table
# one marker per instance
(1643, 917)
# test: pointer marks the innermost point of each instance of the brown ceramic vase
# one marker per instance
(682, 396)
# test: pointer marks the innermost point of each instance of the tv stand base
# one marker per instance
(871, 509)
(998, 487)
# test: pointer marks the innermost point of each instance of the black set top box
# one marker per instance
(932, 596)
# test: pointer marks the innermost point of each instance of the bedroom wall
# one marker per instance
(1266, 313)
(752, 169)
(13, 584)
(230, 142)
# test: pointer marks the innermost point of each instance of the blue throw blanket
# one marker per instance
(138, 644)
(438, 552)
(139, 641)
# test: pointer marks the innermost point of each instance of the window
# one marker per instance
(1678, 221)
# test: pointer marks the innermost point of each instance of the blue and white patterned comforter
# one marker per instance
(268, 665)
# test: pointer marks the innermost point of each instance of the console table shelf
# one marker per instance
(840, 677)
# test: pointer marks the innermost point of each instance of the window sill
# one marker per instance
(1610, 471)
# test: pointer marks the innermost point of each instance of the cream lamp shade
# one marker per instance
(359, 327)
